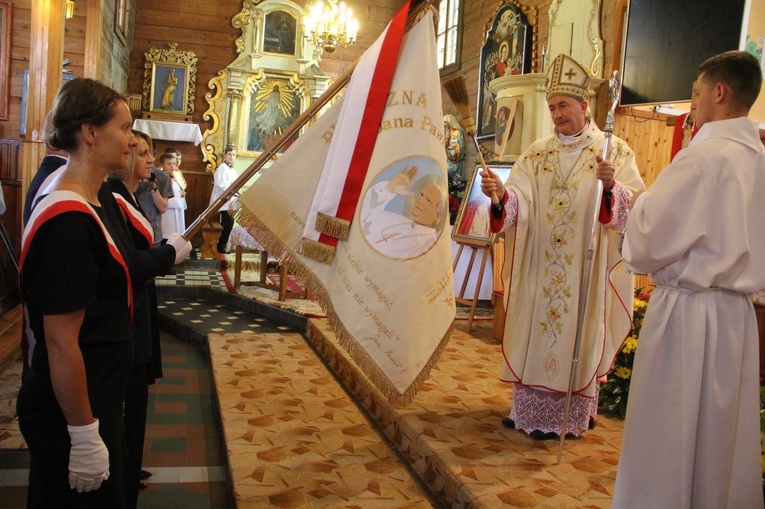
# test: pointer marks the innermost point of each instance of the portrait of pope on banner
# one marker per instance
(404, 210)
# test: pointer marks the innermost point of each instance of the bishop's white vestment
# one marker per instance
(691, 437)
(551, 202)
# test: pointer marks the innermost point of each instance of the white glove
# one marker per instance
(181, 245)
(88, 458)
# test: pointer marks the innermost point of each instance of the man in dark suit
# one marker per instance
(53, 160)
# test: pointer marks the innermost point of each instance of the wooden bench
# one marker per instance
(262, 271)
(210, 236)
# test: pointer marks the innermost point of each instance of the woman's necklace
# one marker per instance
(91, 197)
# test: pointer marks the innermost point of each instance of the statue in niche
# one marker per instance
(168, 98)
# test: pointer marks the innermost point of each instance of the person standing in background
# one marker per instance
(223, 178)
(146, 347)
(54, 160)
(178, 174)
(153, 194)
(173, 220)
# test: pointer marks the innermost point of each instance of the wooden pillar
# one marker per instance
(46, 58)
(93, 26)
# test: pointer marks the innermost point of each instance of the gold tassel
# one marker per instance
(333, 226)
(316, 251)
(380, 383)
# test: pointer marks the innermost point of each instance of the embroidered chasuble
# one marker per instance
(545, 257)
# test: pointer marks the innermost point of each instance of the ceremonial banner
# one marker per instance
(388, 288)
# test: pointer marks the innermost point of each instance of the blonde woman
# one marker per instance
(148, 261)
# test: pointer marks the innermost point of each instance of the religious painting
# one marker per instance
(273, 107)
(5, 55)
(506, 51)
(169, 81)
(472, 223)
(507, 133)
(121, 20)
(280, 33)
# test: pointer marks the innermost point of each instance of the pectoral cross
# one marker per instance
(560, 189)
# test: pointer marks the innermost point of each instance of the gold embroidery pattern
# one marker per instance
(561, 219)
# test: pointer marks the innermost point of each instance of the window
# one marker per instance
(448, 36)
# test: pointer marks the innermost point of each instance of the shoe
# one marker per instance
(142, 485)
(592, 423)
(508, 422)
(145, 474)
(541, 435)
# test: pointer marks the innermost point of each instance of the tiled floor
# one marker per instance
(183, 447)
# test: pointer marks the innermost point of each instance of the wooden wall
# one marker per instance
(74, 50)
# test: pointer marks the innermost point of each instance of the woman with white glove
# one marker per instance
(78, 308)
(147, 263)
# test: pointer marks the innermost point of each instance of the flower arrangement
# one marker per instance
(457, 185)
(614, 393)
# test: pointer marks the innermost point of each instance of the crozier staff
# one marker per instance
(548, 199)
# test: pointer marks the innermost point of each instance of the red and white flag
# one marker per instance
(382, 210)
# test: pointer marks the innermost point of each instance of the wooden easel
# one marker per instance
(460, 297)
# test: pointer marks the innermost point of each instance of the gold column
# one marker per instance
(46, 58)
(232, 136)
(93, 26)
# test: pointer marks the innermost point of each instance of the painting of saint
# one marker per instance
(279, 33)
(273, 108)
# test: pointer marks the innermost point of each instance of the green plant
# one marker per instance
(615, 392)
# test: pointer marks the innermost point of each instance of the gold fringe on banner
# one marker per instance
(316, 251)
(318, 292)
(333, 226)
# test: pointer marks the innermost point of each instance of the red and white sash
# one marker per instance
(353, 141)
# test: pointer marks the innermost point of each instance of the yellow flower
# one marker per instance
(558, 240)
(639, 304)
(623, 372)
(630, 344)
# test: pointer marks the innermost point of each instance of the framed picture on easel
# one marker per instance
(472, 223)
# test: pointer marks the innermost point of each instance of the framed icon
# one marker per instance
(472, 223)
(169, 81)
(506, 51)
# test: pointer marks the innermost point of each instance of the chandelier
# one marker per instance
(329, 26)
(69, 9)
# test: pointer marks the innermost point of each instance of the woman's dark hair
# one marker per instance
(80, 101)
